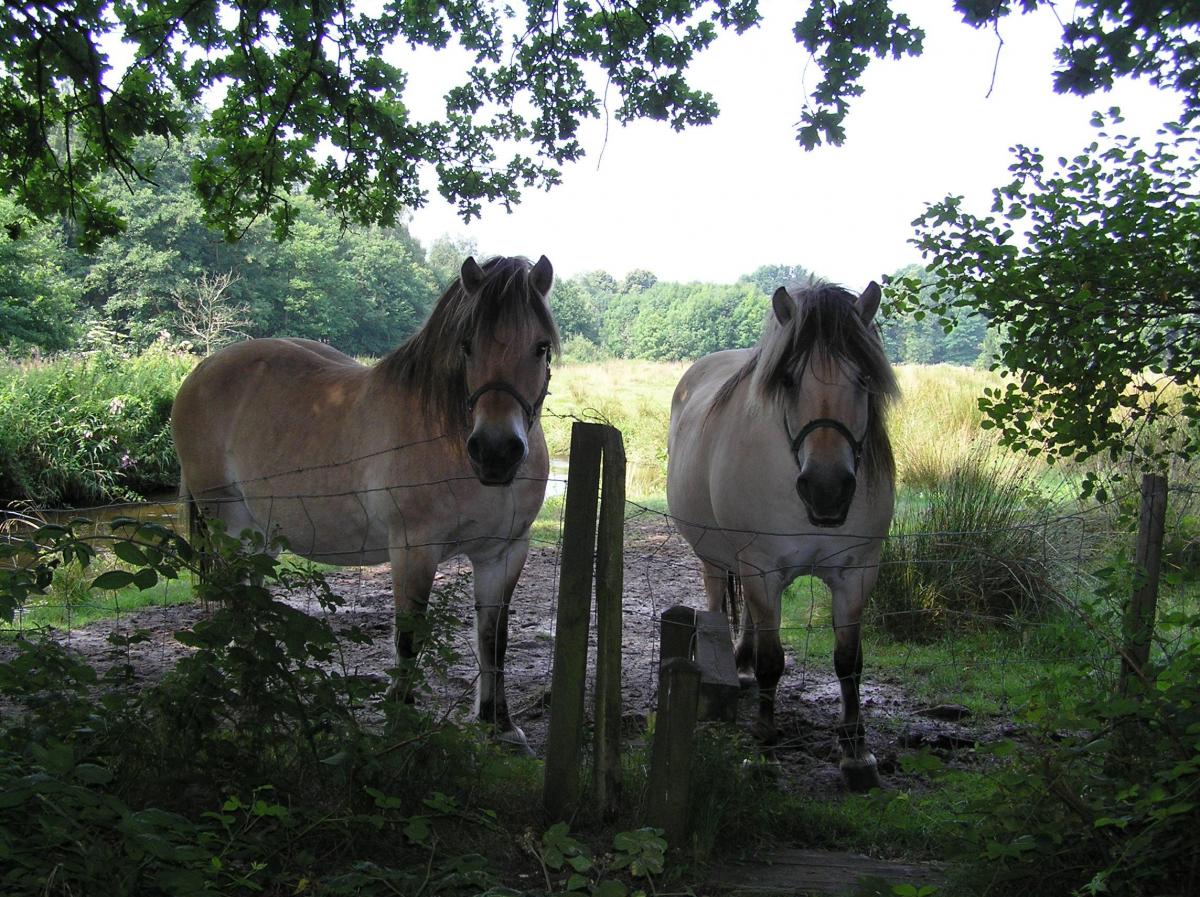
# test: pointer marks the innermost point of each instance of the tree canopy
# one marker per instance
(311, 97)
(1087, 270)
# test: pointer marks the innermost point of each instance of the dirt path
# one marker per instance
(660, 572)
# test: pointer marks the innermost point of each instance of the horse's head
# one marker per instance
(826, 392)
(506, 363)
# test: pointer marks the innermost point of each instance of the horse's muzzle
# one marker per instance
(827, 499)
(496, 459)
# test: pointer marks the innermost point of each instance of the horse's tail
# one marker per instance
(195, 528)
(733, 597)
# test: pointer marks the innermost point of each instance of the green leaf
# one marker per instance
(113, 580)
(129, 553)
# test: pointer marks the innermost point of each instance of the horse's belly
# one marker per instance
(331, 529)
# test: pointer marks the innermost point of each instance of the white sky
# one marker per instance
(716, 202)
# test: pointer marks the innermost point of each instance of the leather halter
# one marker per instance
(822, 423)
(530, 408)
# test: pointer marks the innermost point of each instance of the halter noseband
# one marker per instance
(530, 409)
(819, 423)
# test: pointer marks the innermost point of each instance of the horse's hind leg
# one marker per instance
(495, 581)
(859, 769)
(722, 588)
(413, 571)
(762, 595)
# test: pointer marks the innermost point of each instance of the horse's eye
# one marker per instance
(541, 350)
(786, 381)
(466, 347)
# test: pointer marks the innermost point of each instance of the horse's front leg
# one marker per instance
(495, 580)
(413, 571)
(859, 769)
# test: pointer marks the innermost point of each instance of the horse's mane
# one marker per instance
(431, 362)
(826, 320)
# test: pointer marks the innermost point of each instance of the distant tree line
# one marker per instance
(363, 290)
(642, 317)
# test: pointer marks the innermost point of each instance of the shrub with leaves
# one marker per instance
(1103, 795)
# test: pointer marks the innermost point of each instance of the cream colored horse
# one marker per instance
(779, 466)
(436, 451)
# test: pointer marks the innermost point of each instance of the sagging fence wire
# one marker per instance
(904, 677)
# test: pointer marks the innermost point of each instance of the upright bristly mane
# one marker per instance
(431, 362)
(826, 321)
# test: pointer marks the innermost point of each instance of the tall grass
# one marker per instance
(633, 396)
(89, 429)
(973, 552)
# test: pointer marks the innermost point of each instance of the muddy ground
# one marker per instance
(660, 572)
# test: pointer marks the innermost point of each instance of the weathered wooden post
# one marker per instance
(1143, 605)
(669, 795)
(591, 444)
(610, 583)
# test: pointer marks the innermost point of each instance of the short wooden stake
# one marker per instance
(677, 632)
(671, 758)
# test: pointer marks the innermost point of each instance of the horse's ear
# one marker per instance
(542, 276)
(472, 275)
(784, 305)
(868, 303)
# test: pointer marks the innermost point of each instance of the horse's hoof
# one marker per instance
(764, 733)
(861, 774)
(515, 739)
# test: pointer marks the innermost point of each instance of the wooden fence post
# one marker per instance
(1139, 617)
(671, 757)
(677, 632)
(591, 444)
(561, 783)
(610, 582)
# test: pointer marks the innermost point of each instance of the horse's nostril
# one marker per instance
(804, 487)
(849, 485)
(516, 450)
(473, 449)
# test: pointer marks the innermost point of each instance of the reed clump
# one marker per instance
(973, 552)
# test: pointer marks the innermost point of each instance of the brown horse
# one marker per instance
(436, 451)
(780, 466)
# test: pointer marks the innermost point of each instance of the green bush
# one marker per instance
(971, 551)
(89, 429)
(1102, 794)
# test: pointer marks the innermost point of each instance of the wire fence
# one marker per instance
(952, 680)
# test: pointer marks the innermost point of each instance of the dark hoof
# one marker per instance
(765, 733)
(860, 774)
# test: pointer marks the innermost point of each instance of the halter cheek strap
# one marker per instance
(818, 424)
(530, 409)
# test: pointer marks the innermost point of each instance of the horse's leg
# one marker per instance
(719, 588)
(413, 570)
(858, 765)
(495, 580)
(762, 596)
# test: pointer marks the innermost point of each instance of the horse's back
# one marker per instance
(260, 408)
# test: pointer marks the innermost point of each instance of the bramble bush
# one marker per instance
(260, 763)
